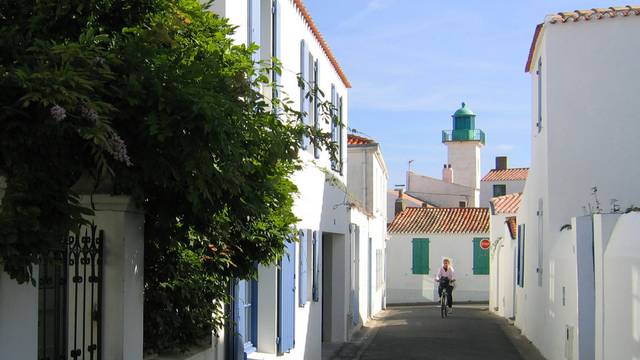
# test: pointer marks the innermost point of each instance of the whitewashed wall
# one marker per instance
(440, 193)
(405, 287)
(588, 139)
(502, 268)
(486, 189)
(321, 200)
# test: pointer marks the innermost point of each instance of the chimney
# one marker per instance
(447, 173)
(501, 163)
(399, 203)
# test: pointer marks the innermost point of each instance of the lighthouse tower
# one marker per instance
(464, 143)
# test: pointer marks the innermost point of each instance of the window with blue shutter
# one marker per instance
(286, 298)
(245, 311)
(539, 73)
(334, 124)
(253, 28)
(521, 245)
(420, 256)
(340, 135)
(316, 104)
(302, 273)
(304, 89)
(316, 266)
(276, 44)
(480, 258)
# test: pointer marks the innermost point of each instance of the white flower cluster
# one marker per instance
(89, 114)
(58, 113)
(118, 149)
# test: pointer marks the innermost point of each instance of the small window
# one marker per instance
(462, 204)
(499, 190)
(539, 73)
(420, 258)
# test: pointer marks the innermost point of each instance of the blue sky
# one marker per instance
(411, 63)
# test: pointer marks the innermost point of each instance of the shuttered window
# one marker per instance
(316, 112)
(253, 29)
(521, 247)
(334, 124)
(480, 258)
(286, 299)
(302, 273)
(304, 89)
(276, 44)
(420, 263)
(340, 129)
(316, 265)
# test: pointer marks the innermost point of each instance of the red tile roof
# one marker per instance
(513, 226)
(507, 204)
(323, 43)
(441, 220)
(358, 140)
(578, 15)
(513, 174)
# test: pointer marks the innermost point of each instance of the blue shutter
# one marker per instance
(316, 96)
(304, 88)
(302, 274)
(316, 265)
(238, 319)
(286, 298)
(340, 127)
(276, 43)
(253, 30)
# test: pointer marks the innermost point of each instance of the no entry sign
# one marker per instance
(484, 244)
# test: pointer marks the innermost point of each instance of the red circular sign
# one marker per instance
(484, 244)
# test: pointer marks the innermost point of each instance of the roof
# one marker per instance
(512, 223)
(579, 15)
(463, 111)
(323, 43)
(441, 221)
(512, 174)
(359, 140)
(507, 204)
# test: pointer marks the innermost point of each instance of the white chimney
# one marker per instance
(447, 173)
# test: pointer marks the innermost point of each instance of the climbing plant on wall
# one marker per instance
(152, 99)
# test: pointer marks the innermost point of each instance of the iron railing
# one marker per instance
(463, 135)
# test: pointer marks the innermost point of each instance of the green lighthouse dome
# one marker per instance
(463, 111)
(464, 127)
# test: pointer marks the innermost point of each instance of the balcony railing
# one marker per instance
(463, 135)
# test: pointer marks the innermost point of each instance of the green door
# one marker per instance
(480, 258)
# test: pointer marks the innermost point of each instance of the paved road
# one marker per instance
(418, 332)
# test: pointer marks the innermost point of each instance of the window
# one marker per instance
(302, 272)
(304, 89)
(316, 95)
(276, 44)
(335, 127)
(499, 190)
(286, 298)
(462, 204)
(245, 316)
(315, 289)
(521, 248)
(480, 258)
(253, 28)
(379, 269)
(340, 128)
(539, 73)
(420, 262)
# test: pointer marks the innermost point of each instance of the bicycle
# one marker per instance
(445, 284)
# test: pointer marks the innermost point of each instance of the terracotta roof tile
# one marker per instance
(507, 204)
(595, 13)
(358, 140)
(441, 220)
(513, 226)
(323, 43)
(513, 174)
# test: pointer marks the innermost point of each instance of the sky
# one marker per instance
(412, 62)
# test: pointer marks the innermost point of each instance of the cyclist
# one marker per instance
(446, 278)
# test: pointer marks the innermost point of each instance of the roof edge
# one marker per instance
(533, 48)
(325, 47)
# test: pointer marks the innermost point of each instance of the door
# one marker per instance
(286, 299)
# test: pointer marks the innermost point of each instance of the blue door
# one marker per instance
(286, 299)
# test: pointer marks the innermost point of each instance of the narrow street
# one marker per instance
(418, 332)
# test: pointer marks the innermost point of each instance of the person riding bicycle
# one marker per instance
(445, 279)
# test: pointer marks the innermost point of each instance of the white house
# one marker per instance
(419, 238)
(503, 254)
(584, 150)
(502, 181)
(291, 309)
(460, 183)
(367, 185)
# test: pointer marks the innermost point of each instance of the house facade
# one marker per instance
(367, 186)
(502, 180)
(294, 307)
(420, 238)
(584, 162)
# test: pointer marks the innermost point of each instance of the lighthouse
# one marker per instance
(464, 143)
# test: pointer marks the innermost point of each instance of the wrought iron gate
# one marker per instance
(70, 298)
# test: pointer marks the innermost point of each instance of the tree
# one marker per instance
(148, 98)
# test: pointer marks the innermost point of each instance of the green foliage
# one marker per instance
(149, 98)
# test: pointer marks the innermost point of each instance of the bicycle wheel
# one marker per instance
(443, 305)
